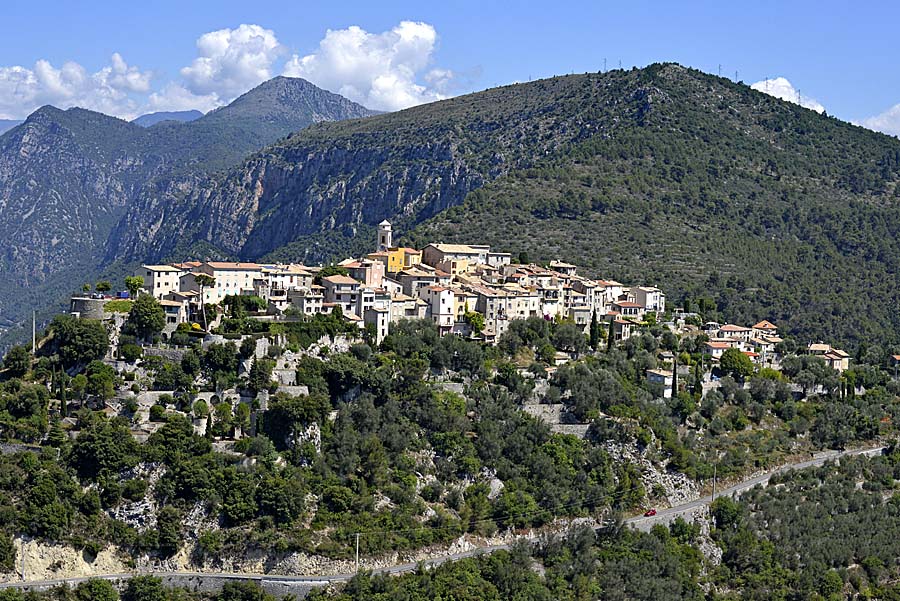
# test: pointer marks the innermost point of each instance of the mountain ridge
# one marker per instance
(660, 143)
(66, 177)
(151, 119)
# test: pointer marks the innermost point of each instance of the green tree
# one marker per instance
(474, 319)
(103, 286)
(168, 523)
(101, 380)
(735, 363)
(103, 445)
(17, 361)
(190, 363)
(7, 552)
(611, 337)
(147, 317)
(96, 590)
(200, 409)
(569, 337)
(134, 283)
(243, 591)
(130, 352)
(144, 588)
(594, 332)
(78, 341)
(327, 271)
(248, 347)
(260, 375)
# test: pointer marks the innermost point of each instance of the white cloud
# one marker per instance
(378, 70)
(231, 61)
(887, 122)
(110, 90)
(175, 97)
(388, 70)
(780, 87)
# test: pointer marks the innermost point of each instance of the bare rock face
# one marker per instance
(320, 192)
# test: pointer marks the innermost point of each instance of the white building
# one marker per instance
(160, 280)
(661, 377)
(439, 306)
(650, 297)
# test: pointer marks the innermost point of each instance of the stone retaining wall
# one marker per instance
(195, 583)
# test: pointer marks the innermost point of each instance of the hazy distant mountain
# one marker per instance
(67, 177)
(7, 124)
(663, 175)
(154, 118)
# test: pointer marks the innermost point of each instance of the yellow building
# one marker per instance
(397, 258)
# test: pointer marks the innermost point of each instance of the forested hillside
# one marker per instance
(825, 533)
(715, 190)
(664, 174)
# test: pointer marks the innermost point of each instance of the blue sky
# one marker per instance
(839, 55)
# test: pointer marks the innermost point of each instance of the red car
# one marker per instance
(649, 512)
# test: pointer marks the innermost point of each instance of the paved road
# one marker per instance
(663, 516)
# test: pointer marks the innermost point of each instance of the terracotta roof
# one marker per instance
(339, 279)
(225, 266)
(728, 327)
(765, 325)
(722, 345)
(187, 264)
(627, 304)
(161, 268)
(462, 249)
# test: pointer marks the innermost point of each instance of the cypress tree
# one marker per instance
(611, 340)
(595, 331)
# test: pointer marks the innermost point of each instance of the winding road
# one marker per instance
(663, 516)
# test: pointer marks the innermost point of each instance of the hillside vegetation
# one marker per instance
(664, 174)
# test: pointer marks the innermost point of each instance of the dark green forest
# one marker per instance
(708, 188)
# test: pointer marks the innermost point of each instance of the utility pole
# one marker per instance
(604, 65)
(33, 332)
(357, 552)
(720, 70)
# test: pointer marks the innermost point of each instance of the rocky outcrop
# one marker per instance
(67, 178)
(319, 193)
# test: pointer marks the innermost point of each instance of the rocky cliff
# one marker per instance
(310, 196)
(67, 178)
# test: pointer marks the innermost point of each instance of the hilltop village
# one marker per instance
(468, 290)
